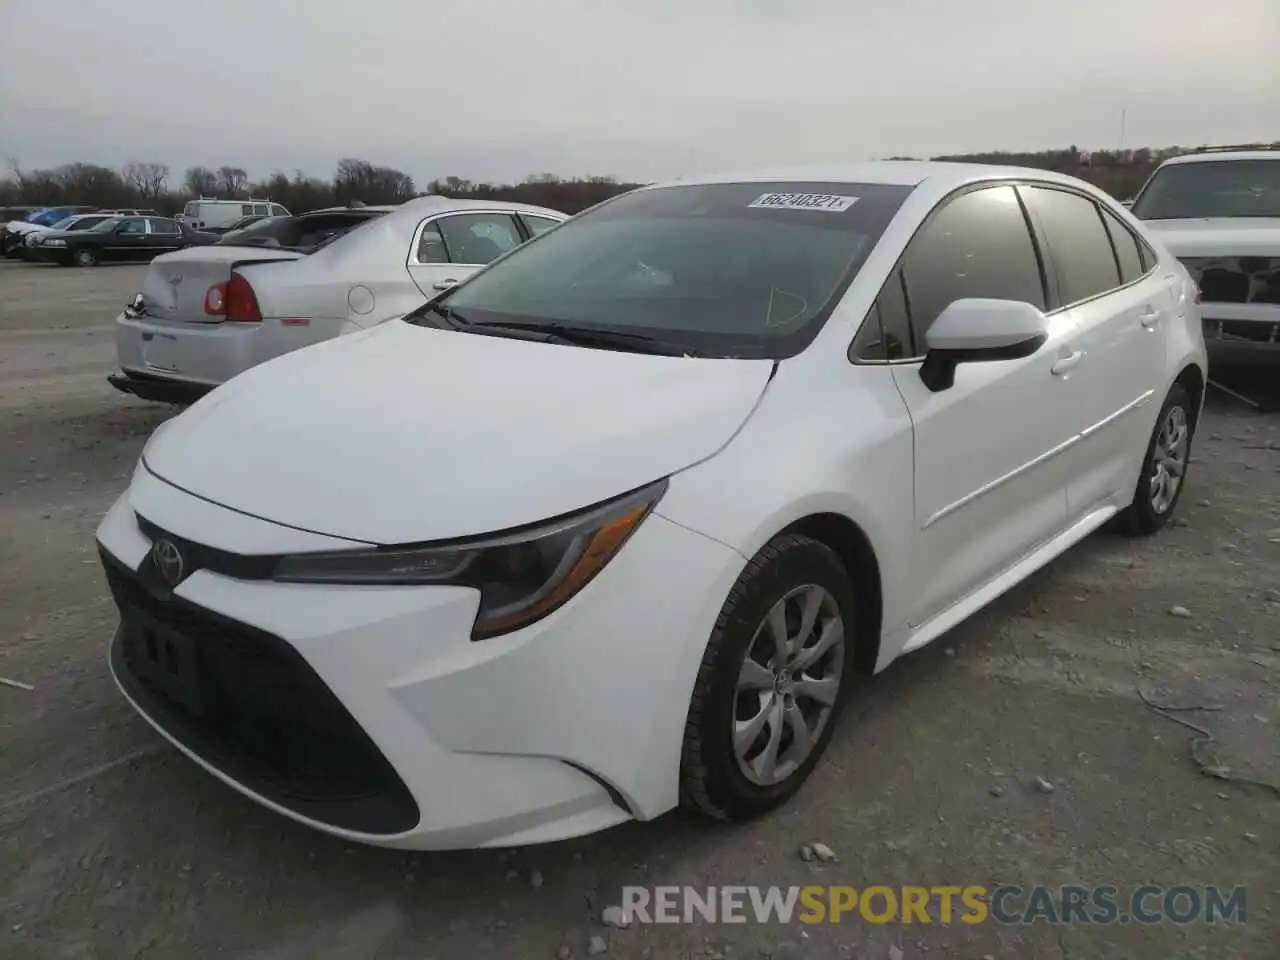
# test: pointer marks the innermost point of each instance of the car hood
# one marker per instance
(1219, 237)
(404, 433)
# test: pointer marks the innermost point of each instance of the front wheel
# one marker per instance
(84, 257)
(1164, 469)
(771, 682)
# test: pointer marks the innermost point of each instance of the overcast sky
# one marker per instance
(641, 89)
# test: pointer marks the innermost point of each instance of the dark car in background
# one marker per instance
(13, 230)
(32, 239)
(119, 240)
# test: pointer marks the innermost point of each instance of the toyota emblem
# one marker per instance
(168, 561)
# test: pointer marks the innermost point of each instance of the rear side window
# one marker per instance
(1078, 243)
(162, 225)
(1128, 253)
(977, 245)
(477, 238)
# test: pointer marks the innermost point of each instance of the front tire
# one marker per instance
(84, 257)
(772, 680)
(1164, 468)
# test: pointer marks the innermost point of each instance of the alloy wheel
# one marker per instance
(788, 684)
(1169, 459)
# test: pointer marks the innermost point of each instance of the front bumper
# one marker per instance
(428, 739)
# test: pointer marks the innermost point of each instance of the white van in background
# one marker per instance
(217, 216)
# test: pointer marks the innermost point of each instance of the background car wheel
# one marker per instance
(1164, 469)
(771, 683)
(85, 258)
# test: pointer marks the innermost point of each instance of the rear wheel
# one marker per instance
(84, 257)
(772, 680)
(1164, 469)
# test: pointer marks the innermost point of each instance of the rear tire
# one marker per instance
(84, 257)
(762, 713)
(1164, 468)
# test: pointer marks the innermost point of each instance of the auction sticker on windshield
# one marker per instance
(802, 201)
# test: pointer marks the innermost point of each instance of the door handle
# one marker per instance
(444, 284)
(1066, 363)
(1150, 317)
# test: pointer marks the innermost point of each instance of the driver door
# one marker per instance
(989, 484)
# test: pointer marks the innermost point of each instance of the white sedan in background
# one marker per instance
(613, 524)
(208, 313)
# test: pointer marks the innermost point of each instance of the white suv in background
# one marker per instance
(1218, 211)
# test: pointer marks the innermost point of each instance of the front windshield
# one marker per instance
(64, 223)
(1213, 188)
(107, 225)
(729, 269)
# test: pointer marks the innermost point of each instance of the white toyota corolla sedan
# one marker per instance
(611, 525)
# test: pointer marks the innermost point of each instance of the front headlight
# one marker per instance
(522, 576)
(55, 243)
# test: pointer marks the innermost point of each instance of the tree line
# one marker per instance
(148, 183)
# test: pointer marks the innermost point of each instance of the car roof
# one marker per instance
(1218, 155)
(433, 203)
(944, 174)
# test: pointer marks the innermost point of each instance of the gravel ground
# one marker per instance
(113, 845)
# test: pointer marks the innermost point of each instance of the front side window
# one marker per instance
(725, 269)
(1078, 243)
(976, 245)
(278, 211)
(191, 210)
(1211, 188)
(106, 226)
(477, 238)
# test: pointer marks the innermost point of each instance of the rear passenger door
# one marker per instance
(164, 235)
(1116, 306)
(449, 248)
(989, 487)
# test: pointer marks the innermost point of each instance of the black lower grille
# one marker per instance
(1236, 279)
(247, 703)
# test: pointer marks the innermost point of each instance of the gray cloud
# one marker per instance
(638, 88)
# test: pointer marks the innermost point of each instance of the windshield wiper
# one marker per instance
(445, 313)
(588, 337)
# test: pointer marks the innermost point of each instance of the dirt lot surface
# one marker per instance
(114, 845)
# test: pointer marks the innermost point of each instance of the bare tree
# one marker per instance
(232, 181)
(146, 179)
(200, 182)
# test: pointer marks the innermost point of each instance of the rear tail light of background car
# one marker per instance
(234, 300)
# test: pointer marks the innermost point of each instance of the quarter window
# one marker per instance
(1126, 244)
(538, 225)
(886, 333)
(477, 238)
(431, 248)
(1078, 243)
(977, 245)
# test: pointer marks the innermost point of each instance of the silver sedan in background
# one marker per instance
(205, 314)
